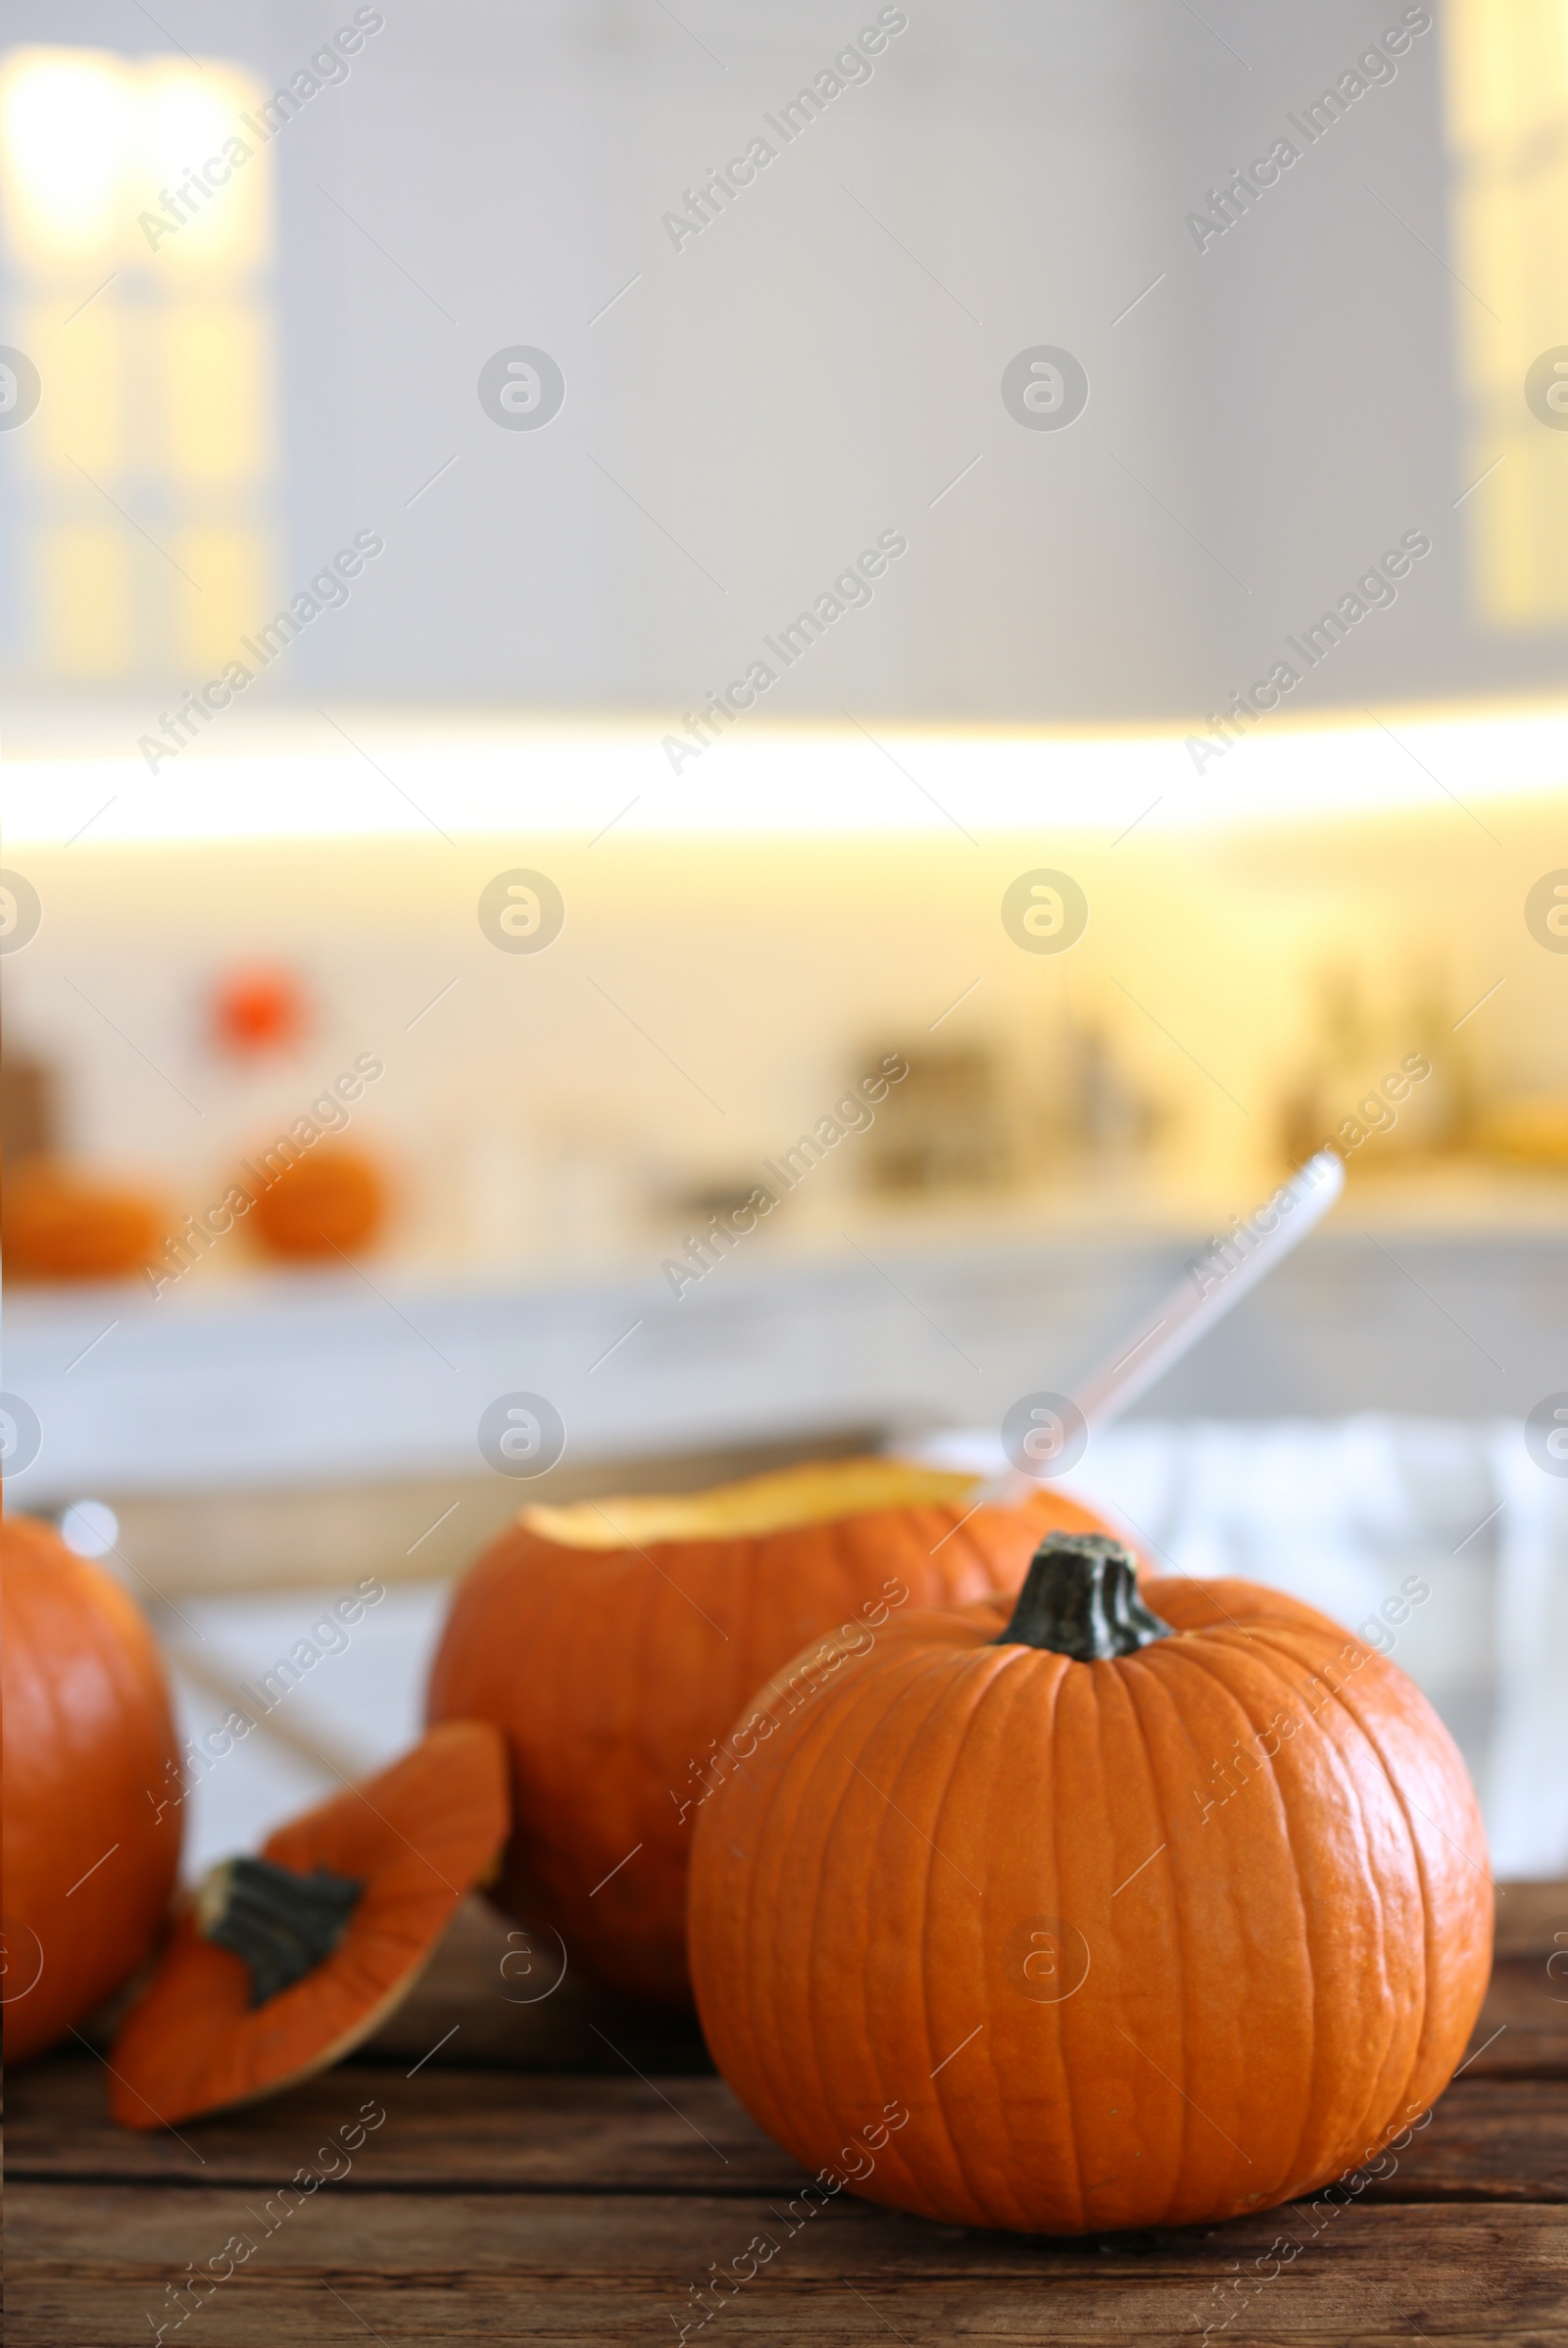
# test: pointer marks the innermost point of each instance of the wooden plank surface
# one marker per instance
(519, 2199)
(416, 2269)
(500, 2132)
(1523, 2029)
(1530, 1918)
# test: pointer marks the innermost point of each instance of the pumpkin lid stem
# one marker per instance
(283, 1924)
(1080, 1599)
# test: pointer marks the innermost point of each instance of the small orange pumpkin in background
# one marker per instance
(615, 1642)
(1136, 1921)
(60, 1222)
(89, 1744)
(281, 1966)
(330, 1201)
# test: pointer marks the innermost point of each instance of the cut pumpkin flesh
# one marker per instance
(813, 1493)
(281, 1966)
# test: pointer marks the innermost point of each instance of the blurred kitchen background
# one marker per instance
(1345, 921)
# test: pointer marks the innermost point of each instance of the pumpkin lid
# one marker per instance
(278, 1966)
(811, 1493)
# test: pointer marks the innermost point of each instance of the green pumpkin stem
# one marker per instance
(281, 1922)
(1080, 1599)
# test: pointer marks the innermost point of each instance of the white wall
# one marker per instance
(792, 380)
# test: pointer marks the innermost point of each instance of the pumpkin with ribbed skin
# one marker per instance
(1148, 1932)
(92, 1808)
(615, 1642)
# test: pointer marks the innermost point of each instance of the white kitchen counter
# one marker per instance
(304, 1379)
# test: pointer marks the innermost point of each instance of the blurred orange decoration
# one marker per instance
(332, 1203)
(56, 1223)
(260, 1009)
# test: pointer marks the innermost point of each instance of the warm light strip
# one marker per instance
(461, 778)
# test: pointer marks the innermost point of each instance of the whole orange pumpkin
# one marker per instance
(614, 1641)
(331, 1202)
(92, 1811)
(61, 1223)
(1125, 1911)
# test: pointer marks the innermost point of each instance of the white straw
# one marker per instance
(1215, 1280)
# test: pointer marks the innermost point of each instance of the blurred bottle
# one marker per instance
(941, 1128)
(1441, 1112)
(1109, 1114)
(1381, 1090)
(1320, 1098)
(502, 1207)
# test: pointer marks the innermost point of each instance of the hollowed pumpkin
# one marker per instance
(89, 1748)
(615, 1642)
(1145, 1912)
(281, 1966)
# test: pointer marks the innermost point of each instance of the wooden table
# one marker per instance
(568, 2172)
